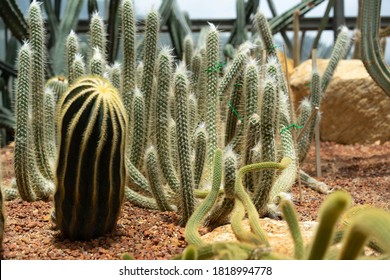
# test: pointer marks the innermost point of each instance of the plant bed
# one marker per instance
(362, 170)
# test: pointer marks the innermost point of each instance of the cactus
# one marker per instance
(97, 36)
(151, 37)
(78, 68)
(59, 85)
(90, 172)
(128, 67)
(38, 55)
(371, 51)
(212, 90)
(138, 129)
(155, 184)
(200, 153)
(191, 230)
(72, 48)
(163, 136)
(183, 143)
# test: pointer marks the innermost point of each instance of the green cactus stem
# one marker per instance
(245, 199)
(72, 48)
(371, 51)
(90, 172)
(290, 215)
(188, 50)
(150, 54)
(191, 230)
(50, 123)
(38, 59)
(97, 63)
(97, 35)
(212, 51)
(129, 66)
(233, 115)
(155, 182)
(339, 50)
(22, 125)
(200, 153)
(370, 224)
(78, 68)
(163, 137)
(136, 181)
(268, 125)
(59, 85)
(140, 200)
(115, 75)
(329, 213)
(183, 143)
(138, 129)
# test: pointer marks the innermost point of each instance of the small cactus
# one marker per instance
(90, 172)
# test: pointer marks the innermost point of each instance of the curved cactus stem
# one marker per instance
(291, 218)
(140, 200)
(370, 224)
(191, 230)
(371, 52)
(243, 196)
(328, 215)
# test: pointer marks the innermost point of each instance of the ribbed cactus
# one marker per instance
(90, 172)
(200, 139)
(96, 63)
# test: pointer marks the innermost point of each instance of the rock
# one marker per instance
(277, 233)
(354, 110)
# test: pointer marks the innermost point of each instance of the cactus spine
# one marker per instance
(90, 171)
(97, 35)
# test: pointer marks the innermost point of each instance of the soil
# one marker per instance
(362, 170)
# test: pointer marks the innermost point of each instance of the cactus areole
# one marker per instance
(90, 170)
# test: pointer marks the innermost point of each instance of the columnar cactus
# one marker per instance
(163, 136)
(183, 143)
(90, 172)
(38, 57)
(212, 49)
(72, 48)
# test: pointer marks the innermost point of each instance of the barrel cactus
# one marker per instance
(90, 173)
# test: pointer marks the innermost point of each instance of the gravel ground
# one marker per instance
(363, 170)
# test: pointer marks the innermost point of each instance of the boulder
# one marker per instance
(354, 109)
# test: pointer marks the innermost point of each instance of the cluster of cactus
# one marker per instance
(343, 233)
(176, 120)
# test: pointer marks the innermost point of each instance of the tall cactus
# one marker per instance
(38, 57)
(212, 50)
(163, 136)
(90, 171)
(183, 143)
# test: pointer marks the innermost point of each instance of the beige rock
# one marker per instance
(354, 110)
(277, 233)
